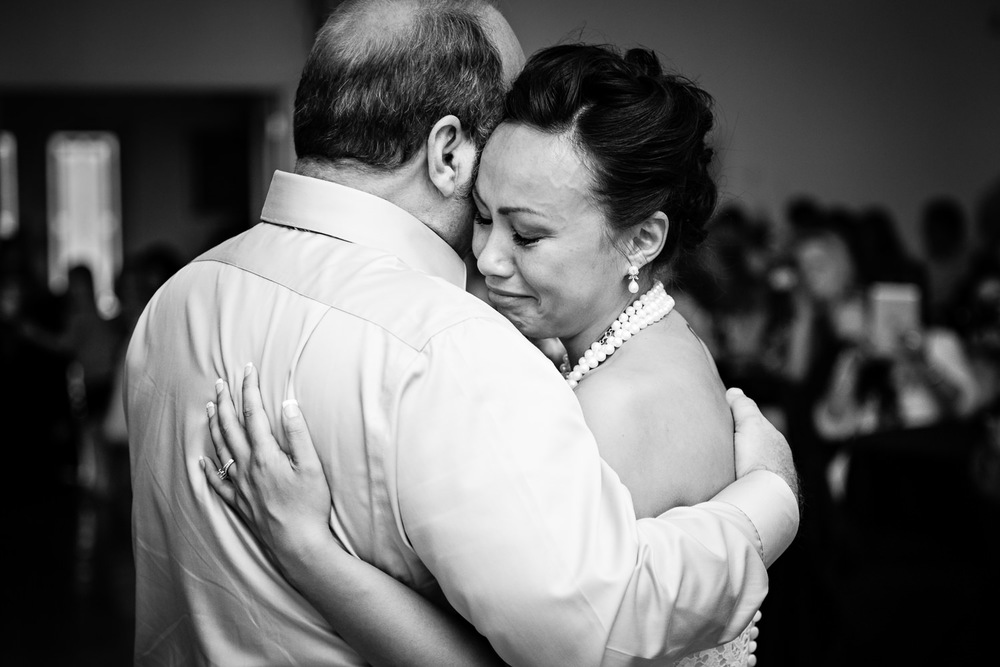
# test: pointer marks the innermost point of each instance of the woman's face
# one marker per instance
(541, 241)
(826, 267)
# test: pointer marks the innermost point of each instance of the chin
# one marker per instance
(527, 328)
(536, 330)
(526, 319)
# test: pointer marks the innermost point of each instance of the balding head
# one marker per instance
(505, 41)
(382, 72)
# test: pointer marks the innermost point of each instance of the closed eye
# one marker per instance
(524, 240)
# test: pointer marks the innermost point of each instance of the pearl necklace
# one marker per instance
(648, 309)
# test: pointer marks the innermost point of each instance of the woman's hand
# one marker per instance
(285, 499)
(282, 496)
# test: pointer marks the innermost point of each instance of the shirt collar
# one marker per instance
(351, 215)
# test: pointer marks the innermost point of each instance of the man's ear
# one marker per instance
(451, 156)
(647, 239)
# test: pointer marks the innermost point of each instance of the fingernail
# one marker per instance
(219, 384)
(247, 369)
(291, 408)
(210, 409)
(201, 461)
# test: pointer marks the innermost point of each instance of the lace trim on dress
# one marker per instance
(733, 654)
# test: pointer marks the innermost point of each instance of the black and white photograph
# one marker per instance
(557, 333)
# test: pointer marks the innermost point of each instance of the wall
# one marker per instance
(857, 102)
(229, 44)
(200, 58)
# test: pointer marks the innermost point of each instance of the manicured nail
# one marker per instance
(201, 462)
(291, 408)
(210, 409)
(219, 384)
(247, 369)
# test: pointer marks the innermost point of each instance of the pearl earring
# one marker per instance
(633, 284)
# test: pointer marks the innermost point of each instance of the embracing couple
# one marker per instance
(435, 491)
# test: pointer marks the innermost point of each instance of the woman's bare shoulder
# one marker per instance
(672, 366)
(661, 419)
(685, 384)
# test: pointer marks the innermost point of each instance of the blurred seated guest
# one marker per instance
(864, 385)
(827, 299)
(890, 371)
(976, 308)
(927, 379)
(944, 236)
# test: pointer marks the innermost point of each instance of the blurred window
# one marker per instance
(8, 185)
(84, 204)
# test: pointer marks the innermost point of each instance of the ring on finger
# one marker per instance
(224, 470)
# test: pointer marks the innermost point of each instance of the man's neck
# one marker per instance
(406, 186)
(391, 185)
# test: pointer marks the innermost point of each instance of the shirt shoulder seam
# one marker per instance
(415, 347)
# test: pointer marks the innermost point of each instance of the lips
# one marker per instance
(501, 298)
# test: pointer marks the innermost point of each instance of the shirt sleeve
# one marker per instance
(533, 538)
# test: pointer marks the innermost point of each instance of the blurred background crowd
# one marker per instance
(850, 283)
(881, 368)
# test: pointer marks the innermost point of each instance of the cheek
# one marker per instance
(564, 285)
(545, 274)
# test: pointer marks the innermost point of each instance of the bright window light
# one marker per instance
(84, 204)
(8, 185)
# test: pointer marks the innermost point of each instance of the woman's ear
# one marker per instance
(647, 239)
(451, 157)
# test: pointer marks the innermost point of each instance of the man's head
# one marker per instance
(407, 88)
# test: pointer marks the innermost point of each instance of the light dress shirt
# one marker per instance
(458, 458)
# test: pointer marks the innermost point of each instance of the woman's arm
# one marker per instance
(284, 498)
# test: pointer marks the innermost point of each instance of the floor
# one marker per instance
(71, 591)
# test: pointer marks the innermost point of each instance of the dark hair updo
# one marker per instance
(639, 130)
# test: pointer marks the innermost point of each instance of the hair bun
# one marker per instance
(643, 62)
(706, 156)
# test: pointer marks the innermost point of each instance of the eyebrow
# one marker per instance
(507, 210)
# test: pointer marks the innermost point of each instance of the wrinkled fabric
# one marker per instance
(458, 458)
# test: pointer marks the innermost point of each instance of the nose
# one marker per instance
(492, 253)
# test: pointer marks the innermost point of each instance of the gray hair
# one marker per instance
(381, 73)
